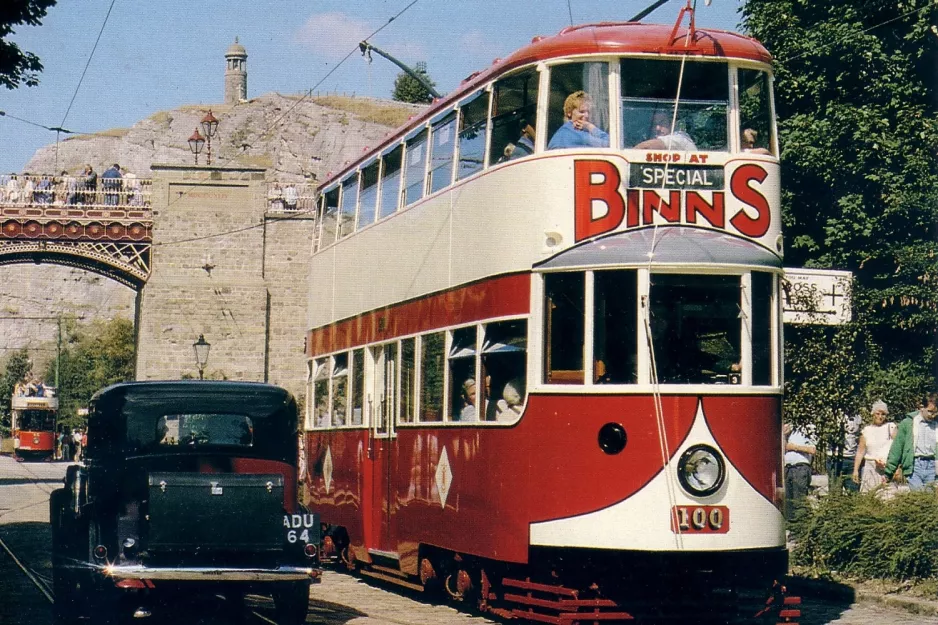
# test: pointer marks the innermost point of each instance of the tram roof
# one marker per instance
(612, 38)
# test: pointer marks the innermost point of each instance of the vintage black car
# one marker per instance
(186, 486)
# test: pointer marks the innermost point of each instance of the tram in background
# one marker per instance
(546, 379)
(34, 419)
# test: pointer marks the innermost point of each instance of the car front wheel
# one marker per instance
(291, 602)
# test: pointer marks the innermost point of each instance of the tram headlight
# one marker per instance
(701, 470)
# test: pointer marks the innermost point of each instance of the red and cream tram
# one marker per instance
(547, 379)
(33, 424)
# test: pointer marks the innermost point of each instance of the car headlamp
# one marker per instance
(701, 470)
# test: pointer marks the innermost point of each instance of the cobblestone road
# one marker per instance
(341, 599)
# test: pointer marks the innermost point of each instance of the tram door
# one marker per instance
(384, 402)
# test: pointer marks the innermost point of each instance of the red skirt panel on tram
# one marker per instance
(496, 492)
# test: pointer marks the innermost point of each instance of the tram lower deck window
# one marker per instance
(564, 312)
(696, 328)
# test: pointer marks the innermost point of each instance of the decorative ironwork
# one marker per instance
(127, 263)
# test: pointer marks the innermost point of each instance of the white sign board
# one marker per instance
(816, 296)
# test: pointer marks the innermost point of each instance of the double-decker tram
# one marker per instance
(545, 334)
(33, 421)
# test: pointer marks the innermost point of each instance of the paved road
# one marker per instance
(339, 600)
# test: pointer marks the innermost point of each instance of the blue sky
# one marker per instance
(158, 55)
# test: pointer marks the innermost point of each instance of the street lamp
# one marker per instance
(201, 348)
(196, 141)
(209, 127)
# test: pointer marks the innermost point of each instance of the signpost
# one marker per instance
(816, 296)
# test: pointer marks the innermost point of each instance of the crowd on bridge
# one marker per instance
(876, 454)
(114, 187)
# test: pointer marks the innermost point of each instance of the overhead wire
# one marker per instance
(307, 94)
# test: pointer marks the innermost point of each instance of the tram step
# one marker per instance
(393, 579)
(389, 570)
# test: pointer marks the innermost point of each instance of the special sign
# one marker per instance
(692, 193)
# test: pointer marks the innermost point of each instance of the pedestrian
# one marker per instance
(873, 450)
(842, 458)
(76, 444)
(915, 448)
(799, 452)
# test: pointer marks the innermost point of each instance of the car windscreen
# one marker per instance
(199, 429)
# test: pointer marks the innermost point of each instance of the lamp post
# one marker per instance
(209, 127)
(201, 348)
(196, 141)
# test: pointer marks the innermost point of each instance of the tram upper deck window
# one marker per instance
(696, 328)
(513, 109)
(649, 96)
(349, 201)
(473, 116)
(585, 122)
(328, 217)
(390, 182)
(442, 152)
(368, 200)
(565, 314)
(755, 115)
(415, 169)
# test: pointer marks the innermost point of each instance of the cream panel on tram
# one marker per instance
(518, 214)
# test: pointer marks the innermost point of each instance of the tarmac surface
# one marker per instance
(25, 599)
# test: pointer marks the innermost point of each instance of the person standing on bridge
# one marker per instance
(111, 183)
(89, 185)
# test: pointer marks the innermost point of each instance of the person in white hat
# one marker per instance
(873, 450)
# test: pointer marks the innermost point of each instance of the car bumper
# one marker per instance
(207, 574)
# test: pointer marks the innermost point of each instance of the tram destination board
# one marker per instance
(670, 176)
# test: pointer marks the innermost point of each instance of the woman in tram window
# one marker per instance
(578, 130)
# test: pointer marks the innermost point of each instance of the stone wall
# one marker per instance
(222, 269)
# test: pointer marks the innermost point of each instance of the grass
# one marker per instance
(385, 114)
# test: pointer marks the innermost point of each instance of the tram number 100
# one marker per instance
(700, 519)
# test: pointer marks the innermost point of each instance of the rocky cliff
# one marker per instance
(297, 138)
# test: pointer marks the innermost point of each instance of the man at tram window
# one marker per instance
(578, 131)
(664, 138)
(749, 140)
(524, 146)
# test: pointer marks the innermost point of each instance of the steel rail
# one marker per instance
(29, 574)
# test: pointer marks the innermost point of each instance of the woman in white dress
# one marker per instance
(874, 449)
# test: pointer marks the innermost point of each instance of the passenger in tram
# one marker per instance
(524, 146)
(509, 407)
(748, 140)
(469, 412)
(577, 130)
(664, 139)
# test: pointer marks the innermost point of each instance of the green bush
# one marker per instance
(863, 536)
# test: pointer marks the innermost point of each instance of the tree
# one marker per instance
(19, 66)
(17, 366)
(94, 356)
(856, 105)
(408, 89)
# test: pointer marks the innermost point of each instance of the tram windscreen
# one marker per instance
(35, 420)
(696, 328)
(650, 96)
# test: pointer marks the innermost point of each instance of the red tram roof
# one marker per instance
(612, 38)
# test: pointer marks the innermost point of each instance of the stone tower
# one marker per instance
(236, 73)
